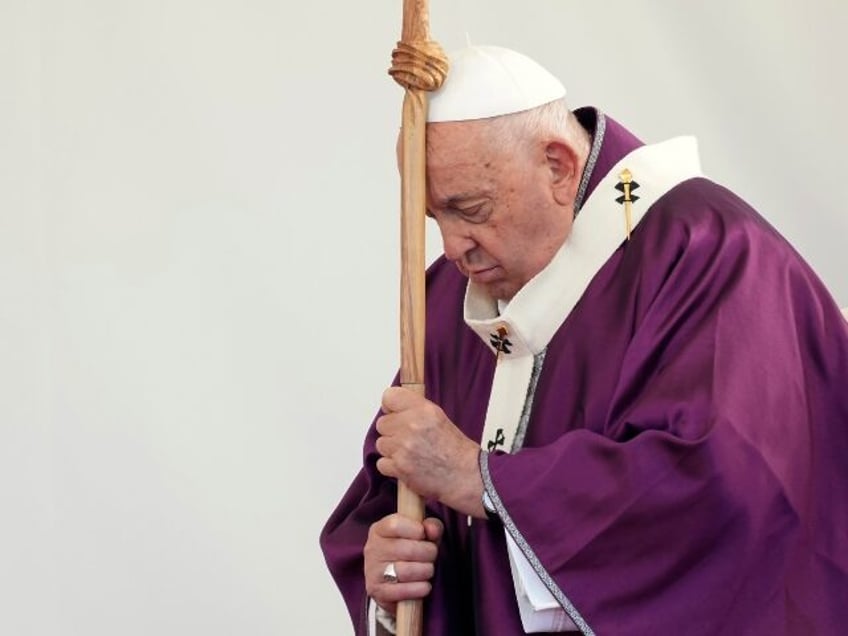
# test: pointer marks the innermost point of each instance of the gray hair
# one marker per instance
(524, 130)
(553, 119)
(527, 128)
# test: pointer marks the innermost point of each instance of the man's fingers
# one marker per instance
(384, 424)
(410, 547)
(386, 467)
(398, 398)
(397, 526)
(385, 445)
(413, 571)
(400, 550)
(390, 593)
(413, 583)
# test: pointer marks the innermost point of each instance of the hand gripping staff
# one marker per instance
(418, 65)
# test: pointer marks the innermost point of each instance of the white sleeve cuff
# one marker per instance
(539, 610)
(377, 615)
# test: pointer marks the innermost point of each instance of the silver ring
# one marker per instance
(390, 574)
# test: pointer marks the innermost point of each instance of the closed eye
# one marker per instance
(474, 214)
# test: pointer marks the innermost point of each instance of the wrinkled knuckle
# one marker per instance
(433, 411)
(403, 465)
(386, 400)
(369, 550)
(382, 466)
(431, 552)
(387, 593)
(392, 525)
(405, 551)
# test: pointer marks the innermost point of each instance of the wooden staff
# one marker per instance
(418, 65)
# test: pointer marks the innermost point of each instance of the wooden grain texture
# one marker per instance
(416, 21)
(418, 65)
(413, 202)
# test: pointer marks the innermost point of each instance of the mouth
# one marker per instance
(485, 275)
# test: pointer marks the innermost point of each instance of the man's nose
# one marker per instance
(456, 243)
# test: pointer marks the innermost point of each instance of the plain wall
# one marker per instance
(198, 265)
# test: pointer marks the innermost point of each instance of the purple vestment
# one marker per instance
(685, 466)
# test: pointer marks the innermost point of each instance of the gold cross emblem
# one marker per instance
(626, 186)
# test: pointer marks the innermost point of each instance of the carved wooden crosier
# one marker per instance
(420, 66)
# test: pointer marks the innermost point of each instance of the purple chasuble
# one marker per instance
(685, 466)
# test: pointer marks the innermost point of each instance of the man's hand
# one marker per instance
(423, 448)
(412, 546)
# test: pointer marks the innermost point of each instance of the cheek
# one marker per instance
(537, 235)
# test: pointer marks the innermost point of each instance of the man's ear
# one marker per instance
(563, 165)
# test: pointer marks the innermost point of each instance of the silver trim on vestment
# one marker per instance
(518, 441)
(594, 153)
(540, 570)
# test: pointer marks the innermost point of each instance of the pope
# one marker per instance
(636, 418)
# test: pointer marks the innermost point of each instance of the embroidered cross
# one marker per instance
(500, 342)
(499, 440)
(626, 186)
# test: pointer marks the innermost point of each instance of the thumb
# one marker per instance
(433, 529)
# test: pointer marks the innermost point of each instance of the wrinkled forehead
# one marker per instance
(452, 143)
(463, 163)
(449, 143)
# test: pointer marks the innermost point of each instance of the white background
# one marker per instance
(198, 265)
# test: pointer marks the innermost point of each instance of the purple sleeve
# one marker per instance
(712, 491)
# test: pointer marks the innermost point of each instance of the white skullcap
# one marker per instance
(488, 81)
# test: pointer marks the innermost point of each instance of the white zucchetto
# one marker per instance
(489, 81)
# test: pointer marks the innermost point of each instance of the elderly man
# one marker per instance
(637, 415)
